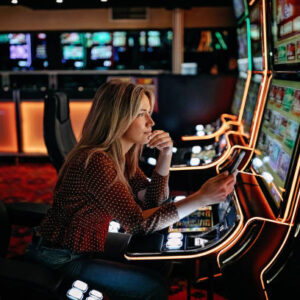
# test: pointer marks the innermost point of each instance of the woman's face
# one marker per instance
(140, 129)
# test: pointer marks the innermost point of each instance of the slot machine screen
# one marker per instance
(238, 95)
(101, 52)
(200, 220)
(20, 50)
(256, 37)
(73, 50)
(242, 38)
(286, 33)
(119, 39)
(251, 102)
(101, 38)
(278, 136)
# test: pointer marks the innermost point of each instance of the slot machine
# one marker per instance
(252, 235)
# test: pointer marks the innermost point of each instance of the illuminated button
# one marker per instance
(195, 161)
(78, 284)
(199, 127)
(96, 294)
(74, 294)
(200, 242)
(175, 235)
(174, 244)
(257, 162)
(200, 133)
(196, 149)
(268, 177)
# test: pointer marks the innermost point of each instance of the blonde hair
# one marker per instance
(115, 106)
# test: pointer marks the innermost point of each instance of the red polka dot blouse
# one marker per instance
(87, 199)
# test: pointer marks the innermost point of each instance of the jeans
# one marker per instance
(119, 280)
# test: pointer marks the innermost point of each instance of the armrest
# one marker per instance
(26, 214)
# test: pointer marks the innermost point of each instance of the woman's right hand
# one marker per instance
(215, 189)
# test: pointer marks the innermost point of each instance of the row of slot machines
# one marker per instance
(252, 235)
(22, 114)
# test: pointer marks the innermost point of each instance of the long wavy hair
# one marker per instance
(115, 106)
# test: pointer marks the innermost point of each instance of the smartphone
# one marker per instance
(236, 163)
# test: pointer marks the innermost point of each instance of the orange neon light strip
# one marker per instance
(8, 125)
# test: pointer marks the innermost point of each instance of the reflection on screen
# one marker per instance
(242, 48)
(278, 135)
(286, 31)
(251, 102)
(255, 35)
(200, 220)
(239, 8)
(238, 95)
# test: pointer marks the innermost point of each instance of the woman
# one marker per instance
(100, 181)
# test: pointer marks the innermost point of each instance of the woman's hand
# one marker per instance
(162, 141)
(215, 189)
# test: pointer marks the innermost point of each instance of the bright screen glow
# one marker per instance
(278, 135)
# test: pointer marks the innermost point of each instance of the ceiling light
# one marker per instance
(59, 1)
(103, 0)
(14, 1)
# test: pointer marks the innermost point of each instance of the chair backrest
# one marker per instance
(58, 133)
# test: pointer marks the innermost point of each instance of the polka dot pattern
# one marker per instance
(87, 199)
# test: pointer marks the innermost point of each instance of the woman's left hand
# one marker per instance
(162, 141)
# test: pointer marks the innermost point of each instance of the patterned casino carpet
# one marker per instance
(34, 183)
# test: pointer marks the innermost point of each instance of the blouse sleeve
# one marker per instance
(157, 189)
(113, 196)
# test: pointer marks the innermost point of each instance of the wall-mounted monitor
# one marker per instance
(17, 38)
(19, 52)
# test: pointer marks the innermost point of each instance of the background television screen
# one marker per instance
(251, 102)
(119, 39)
(102, 37)
(73, 52)
(17, 38)
(278, 136)
(238, 95)
(101, 52)
(70, 38)
(238, 8)
(154, 39)
(18, 52)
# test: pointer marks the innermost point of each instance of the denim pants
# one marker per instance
(119, 280)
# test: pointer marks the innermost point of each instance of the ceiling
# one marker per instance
(73, 4)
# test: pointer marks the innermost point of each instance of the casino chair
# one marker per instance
(58, 133)
(20, 279)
